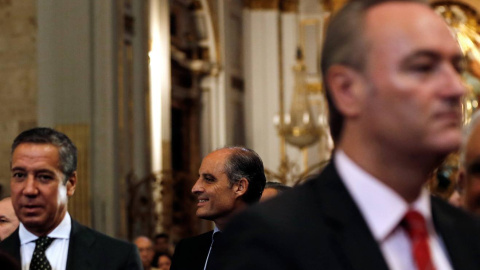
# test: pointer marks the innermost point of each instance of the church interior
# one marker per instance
(147, 88)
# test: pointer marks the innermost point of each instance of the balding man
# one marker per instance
(8, 219)
(145, 248)
(230, 179)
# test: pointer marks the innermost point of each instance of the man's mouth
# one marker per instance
(31, 210)
(202, 202)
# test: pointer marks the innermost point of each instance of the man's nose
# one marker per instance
(454, 83)
(30, 186)
(197, 188)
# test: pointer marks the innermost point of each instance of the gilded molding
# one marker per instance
(261, 4)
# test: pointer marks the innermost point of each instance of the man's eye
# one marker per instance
(3, 220)
(45, 178)
(423, 68)
(18, 175)
(209, 179)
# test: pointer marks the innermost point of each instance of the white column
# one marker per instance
(160, 95)
(261, 49)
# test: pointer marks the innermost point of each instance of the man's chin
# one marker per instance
(33, 223)
(448, 145)
(203, 215)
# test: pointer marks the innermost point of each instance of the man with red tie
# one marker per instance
(391, 70)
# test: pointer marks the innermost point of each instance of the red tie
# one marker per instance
(415, 225)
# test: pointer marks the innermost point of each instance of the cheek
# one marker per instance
(62, 194)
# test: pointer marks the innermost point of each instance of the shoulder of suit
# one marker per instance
(197, 238)
(453, 212)
(10, 240)
(101, 238)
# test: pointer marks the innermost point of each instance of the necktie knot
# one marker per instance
(415, 224)
(43, 242)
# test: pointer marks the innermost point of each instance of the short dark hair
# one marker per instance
(345, 44)
(246, 163)
(43, 135)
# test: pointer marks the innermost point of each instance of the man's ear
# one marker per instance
(347, 88)
(241, 187)
(71, 184)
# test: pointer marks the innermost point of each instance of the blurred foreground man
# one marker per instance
(8, 219)
(392, 73)
(229, 180)
(43, 176)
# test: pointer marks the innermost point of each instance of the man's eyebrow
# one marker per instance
(18, 168)
(208, 175)
(36, 171)
(431, 54)
(44, 171)
(422, 53)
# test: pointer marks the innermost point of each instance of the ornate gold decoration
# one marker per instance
(464, 23)
(299, 126)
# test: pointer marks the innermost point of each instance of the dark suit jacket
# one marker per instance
(319, 226)
(191, 253)
(88, 249)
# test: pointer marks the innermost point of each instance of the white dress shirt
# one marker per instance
(57, 251)
(383, 209)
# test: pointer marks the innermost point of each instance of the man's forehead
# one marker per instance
(405, 28)
(216, 159)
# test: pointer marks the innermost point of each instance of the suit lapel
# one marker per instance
(12, 245)
(459, 236)
(81, 242)
(351, 236)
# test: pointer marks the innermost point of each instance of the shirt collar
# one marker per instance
(385, 209)
(61, 231)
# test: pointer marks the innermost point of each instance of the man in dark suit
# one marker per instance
(43, 167)
(392, 74)
(229, 180)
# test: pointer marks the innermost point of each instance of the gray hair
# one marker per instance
(246, 163)
(66, 149)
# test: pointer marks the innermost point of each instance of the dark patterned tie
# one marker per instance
(39, 260)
